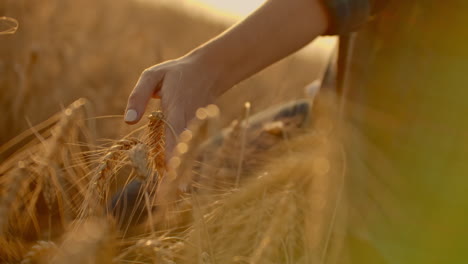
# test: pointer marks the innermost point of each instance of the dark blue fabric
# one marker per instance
(348, 15)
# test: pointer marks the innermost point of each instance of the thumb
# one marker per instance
(149, 83)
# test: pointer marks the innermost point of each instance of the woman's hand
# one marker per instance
(183, 85)
(275, 30)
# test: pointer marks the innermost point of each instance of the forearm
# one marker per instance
(275, 30)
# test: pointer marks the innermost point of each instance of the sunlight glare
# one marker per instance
(237, 7)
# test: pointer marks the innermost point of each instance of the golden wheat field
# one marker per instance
(79, 186)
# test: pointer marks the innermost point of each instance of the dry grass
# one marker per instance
(283, 210)
(38, 200)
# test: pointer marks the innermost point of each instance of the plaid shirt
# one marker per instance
(348, 15)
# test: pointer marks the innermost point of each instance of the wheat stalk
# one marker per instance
(9, 196)
(112, 156)
(40, 252)
(89, 241)
(156, 142)
(39, 200)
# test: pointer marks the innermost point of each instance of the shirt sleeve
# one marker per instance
(348, 15)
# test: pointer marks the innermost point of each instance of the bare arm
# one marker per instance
(275, 30)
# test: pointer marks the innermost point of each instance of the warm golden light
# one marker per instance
(238, 7)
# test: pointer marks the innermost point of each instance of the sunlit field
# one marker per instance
(77, 185)
(318, 158)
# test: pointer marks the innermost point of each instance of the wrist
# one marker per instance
(213, 65)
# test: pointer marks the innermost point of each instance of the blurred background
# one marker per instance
(65, 50)
(412, 158)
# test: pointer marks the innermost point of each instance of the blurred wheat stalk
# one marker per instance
(271, 199)
(8, 25)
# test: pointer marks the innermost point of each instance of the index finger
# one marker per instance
(147, 85)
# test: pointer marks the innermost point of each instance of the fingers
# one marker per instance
(148, 85)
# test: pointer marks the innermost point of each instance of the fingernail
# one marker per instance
(131, 115)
